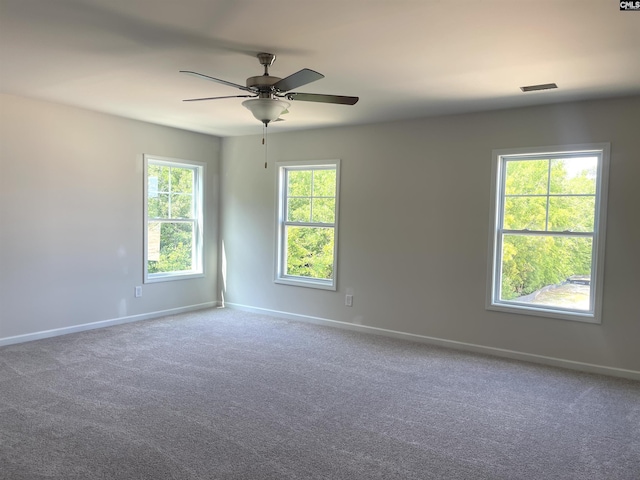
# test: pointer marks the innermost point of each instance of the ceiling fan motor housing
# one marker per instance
(263, 83)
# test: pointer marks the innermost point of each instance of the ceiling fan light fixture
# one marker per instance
(266, 109)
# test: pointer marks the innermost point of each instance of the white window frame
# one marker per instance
(197, 221)
(499, 158)
(281, 207)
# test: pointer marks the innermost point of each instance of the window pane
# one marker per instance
(169, 247)
(153, 207)
(574, 175)
(310, 252)
(299, 183)
(546, 270)
(152, 186)
(324, 183)
(575, 214)
(153, 170)
(324, 210)
(181, 206)
(298, 209)
(162, 174)
(181, 180)
(153, 241)
(527, 177)
(522, 213)
(158, 206)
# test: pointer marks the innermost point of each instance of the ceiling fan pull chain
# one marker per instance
(265, 143)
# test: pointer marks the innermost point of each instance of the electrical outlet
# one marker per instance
(138, 291)
(348, 300)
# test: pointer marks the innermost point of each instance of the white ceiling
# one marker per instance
(403, 58)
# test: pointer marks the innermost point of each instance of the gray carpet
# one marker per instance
(222, 394)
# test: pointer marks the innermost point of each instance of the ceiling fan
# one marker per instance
(266, 91)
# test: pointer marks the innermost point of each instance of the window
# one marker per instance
(547, 239)
(307, 223)
(173, 219)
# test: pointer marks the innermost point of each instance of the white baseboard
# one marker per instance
(469, 347)
(102, 324)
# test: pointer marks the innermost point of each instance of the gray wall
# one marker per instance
(414, 226)
(71, 217)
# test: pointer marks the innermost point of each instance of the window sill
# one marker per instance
(168, 277)
(306, 282)
(540, 311)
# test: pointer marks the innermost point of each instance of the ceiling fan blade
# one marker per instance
(224, 82)
(297, 79)
(315, 97)
(218, 98)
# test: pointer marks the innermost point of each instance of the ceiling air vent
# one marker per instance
(543, 86)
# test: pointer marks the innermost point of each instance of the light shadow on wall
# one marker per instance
(223, 269)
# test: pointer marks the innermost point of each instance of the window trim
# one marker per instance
(494, 257)
(279, 276)
(198, 220)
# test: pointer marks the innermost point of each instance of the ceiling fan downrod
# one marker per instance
(266, 60)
